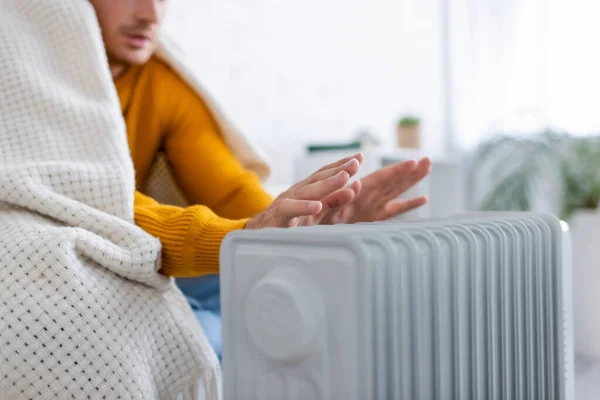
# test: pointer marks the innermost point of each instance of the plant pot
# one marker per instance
(408, 136)
(585, 233)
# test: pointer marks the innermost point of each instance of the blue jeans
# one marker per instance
(204, 295)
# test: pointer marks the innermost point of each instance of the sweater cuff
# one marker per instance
(203, 244)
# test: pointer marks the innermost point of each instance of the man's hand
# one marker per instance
(375, 197)
(309, 201)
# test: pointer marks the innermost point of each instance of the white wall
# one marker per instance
(519, 67)
(291, 72)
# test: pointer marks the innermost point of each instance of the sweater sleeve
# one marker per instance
(204, 166)
(191, 237)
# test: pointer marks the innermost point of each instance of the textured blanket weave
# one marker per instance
(83, 311)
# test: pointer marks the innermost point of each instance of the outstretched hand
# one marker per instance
(309, 201)
(325, 198)
(375, 197)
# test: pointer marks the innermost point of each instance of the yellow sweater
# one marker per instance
(163, 114)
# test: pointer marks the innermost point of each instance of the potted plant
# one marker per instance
(559, 173)
(408, 133)
(580, 174)
(509, 171)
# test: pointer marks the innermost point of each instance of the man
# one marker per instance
(162, 113)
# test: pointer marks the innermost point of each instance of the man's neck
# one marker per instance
(117, 70)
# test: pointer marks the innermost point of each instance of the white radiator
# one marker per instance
(474, 307)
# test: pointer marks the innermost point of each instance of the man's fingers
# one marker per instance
(400, 177)
(323, 188)
(306, 189)
(284, 213)
(335, 201)
(396, 207)
(341, 196)
(338, 198)
(358, 156)
(287, 209)
(390, 174)
(420, 171)
(351, 166)
(356, 187)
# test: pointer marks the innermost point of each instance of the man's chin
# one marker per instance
(137, 57)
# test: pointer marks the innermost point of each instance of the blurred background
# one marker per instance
(504, 95)
(294, 73)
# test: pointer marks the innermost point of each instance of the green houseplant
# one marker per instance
(409, 120)
(408, 132)
(514, 168)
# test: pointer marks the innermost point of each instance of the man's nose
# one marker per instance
(147, 10)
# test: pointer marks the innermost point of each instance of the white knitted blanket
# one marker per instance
(83, 312)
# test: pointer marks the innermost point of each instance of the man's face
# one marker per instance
(130, 28)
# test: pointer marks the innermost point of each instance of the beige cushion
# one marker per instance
(161, 184)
